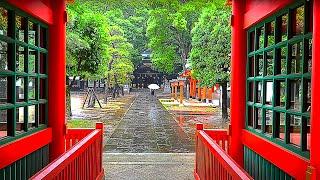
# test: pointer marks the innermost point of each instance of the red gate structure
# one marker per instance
(275, 64)
(34, 139)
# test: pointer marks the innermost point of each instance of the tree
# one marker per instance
(87, 44)
(119, 63)
(133, 24)
(211, 49)
(169, 32)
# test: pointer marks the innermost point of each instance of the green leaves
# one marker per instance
(211, 45)
(87, 36)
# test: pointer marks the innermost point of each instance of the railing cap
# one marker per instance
(199, 126)
(99, 125)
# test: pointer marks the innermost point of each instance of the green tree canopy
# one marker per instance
(169, 32)
(211, 45)
(87, 42)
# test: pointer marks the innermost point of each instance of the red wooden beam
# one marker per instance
(258, 10)
(315, 88)
(13, 151)
(36, 8)
(291, 163)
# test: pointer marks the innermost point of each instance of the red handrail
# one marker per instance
(212, 160)
(81, 161)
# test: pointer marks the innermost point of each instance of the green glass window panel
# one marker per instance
(295, 129)
(281, 60)
(280, 125)
(42, 113)
(269, 93)
(295, 88)
(20, 119)
(258, 118)
(269, 121)
(260, 37)
(296, 58)
(32, 61)
(43, 63)
(298, 21)
(259, 65)
(21, 28)
(308, 133)
(3, 21)
(32, 89)
(3, 90)
(308, 106)
(43, 37)
(32, 33)
(309, 17)
(251, 41)
(284, 25)
(280, 93)
(250, 91)
(20, 89)
(20, 59)
(31, 116)
(269, 63)
(43, 89)
(3, 123)
(309, 55)
(259, 94)
(270, 29)
(250, 116)
(251, 67)
(3, 56)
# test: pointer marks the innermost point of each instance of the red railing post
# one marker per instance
(199, 126)
(212, 159)
(99, 125)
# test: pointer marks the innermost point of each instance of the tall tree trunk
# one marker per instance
(68, 98)
(224, 102)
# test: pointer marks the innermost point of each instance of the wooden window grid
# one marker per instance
(279, 77)
(23, 74)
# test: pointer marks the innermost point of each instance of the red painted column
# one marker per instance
(315, 88)
(57, 78)
(238, 79)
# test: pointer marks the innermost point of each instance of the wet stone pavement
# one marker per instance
(148, 128)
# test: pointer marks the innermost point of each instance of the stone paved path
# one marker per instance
(148, 166)
(148, 128)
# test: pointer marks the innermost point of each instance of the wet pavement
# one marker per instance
(110, 114)
(148, 128)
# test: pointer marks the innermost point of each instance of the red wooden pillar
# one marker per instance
(199, 93)
(209, 94)
(57, 78)
(181, 85)
(315, 88)
(238, 79)
(190, 87)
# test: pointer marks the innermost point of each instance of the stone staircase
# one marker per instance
(153, 166)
